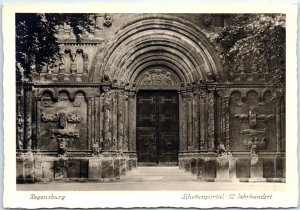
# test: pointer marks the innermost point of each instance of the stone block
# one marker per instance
(187, 164)
(20, 170)
(94, 171)
(222, 166)
(73, 169)
(48, 169)
(107, 168)
(122, 166)
(128, 164)
(268, 168)
(279, 170)
(116, 167)
(194, 166)
(256, 170)
(232, 169)
(134, 162)
(201, 168)
(60, 169)
(210, 169)
(181, 163)
(243, 168)
(38, 172)
(84, 165)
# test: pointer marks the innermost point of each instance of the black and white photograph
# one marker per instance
(150, 101)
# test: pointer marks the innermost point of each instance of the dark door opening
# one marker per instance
(157, 127)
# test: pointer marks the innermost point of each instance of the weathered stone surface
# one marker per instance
(116, 163)
(48, 169)
(243, 168)
(194, 166)
(222, 168)
(95, 168)
(256, 170)
(107, 168)
(73, 169)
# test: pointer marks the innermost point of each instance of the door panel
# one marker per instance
(157, 127)
(146, 136)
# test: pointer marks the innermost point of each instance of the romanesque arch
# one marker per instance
(158, 40)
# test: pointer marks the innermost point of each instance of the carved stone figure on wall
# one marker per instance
(107, 20)
(85, 63)
(20, 129)
(252, 117)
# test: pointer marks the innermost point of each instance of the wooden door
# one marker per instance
(157, 127)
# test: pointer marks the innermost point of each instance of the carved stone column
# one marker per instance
(226, 122)
(120, 121)
(89, 121)
(183, 106)
(190, 122)
(28, 119)
(132, 121)
(278, 125)
(101, 120)
(196, 131)
(106, 122)
(211, 120)
(114, 129)
(126, 122)
(202, 119)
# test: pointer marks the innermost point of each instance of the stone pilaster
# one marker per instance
(132, 121)
(211, 120)
(183, 98)
(225, 124)
(278, 125)
(120, 120)
(196, 131)
(101, 121)
(114, 130)
(190, 121)
(89, 121)
(202, 120)
(28, 119)
(106, 122)
(126, 122)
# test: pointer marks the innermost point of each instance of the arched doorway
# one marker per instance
(152, 56)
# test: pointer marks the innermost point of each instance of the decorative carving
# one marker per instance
(226, 120)
(257, 138)
(207, 20)
(76, 103)
(65, 133)
(28, 130)
(85, 63)
(211, 121)
(107, 20)
(157, 77)
(252, 117)
(47, 102)
(20, 124)
(62, 118)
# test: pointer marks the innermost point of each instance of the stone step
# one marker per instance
(154, 173)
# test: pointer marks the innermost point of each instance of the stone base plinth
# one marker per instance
(32, 168)
(256, 170)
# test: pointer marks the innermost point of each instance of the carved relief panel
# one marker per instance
(252, 122)
(62, 122)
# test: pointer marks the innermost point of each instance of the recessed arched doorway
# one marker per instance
(157, 133)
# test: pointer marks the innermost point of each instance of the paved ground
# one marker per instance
(154, 178)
